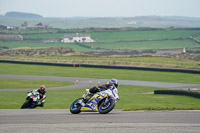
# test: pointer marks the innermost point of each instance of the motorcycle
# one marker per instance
(32, 100)
(102, 102)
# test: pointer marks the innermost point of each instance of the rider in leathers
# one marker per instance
(42, 94)
(112, 84)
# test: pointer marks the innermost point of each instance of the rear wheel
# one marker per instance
(75, 107)
(106, 106)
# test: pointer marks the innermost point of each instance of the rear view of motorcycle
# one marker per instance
(32, 100)
(102, 102)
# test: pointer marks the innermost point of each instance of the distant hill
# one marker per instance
(18, 18)
(22, 15)
(182, 18)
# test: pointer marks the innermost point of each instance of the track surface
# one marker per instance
(62, 121)
(89, 82)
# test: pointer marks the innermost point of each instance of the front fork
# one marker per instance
(81, 102)
(87, 93)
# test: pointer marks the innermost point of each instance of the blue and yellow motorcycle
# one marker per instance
(102, 102)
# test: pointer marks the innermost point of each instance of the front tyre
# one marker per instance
(75, 107)
(26, 104)
(106, 106)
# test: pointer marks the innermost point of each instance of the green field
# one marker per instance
(6, 68)
(43, 35)
(108, 46)
(114, 46)
(113, 40)
(131, 98)
(198, 37)
(121, 35)
(44, 45)
(168, 44)
(142, 35)
(26, 83)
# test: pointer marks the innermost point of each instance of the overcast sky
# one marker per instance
(103, 8)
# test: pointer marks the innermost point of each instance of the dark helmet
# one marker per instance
(115, 82)
(42, 89)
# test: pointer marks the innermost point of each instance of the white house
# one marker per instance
(80, 38)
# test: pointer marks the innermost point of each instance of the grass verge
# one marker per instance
(8, 68)
(131, 98)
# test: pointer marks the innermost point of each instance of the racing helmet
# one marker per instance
(110, 83)
(42, 88)
(115, 82)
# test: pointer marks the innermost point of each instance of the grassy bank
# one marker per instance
(131, 98)
(160, 62)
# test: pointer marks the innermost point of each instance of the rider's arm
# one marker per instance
(44, 96)
(116, 94)
(103, 87)
(94, 90)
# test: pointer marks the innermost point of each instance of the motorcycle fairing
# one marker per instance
(34, 95)
(92, 104)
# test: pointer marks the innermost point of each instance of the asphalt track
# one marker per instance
(117, 121)
(89, 82)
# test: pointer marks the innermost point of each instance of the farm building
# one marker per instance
(3, 27)
(80, 38)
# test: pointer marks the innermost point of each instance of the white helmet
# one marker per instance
(115, 82)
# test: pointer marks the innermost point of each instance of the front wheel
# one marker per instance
(75, 107)
(106, 106)
(26, 104)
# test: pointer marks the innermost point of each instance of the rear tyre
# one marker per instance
(75, 107)
(105, 108)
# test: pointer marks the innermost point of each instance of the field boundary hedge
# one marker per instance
(178, 92)
(104, 66)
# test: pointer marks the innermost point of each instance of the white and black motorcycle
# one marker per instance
(32, 99)
(103, 102)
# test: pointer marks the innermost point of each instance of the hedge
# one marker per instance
(103, 66)
(178, 92)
